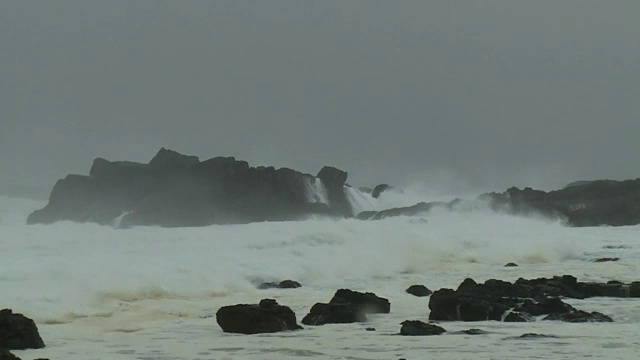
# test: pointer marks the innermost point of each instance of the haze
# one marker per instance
(476, 95)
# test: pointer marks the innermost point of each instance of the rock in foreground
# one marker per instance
(18, 332)
(266, 317)
(419, 328)
(346, 306)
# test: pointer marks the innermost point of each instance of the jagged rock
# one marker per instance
(178, 190)
(523, 300)
(285, 284)
(266, 317)
(379, 189)
(419, 290)
(593, 203)
(321, 314)
(17, 332)
(7, 355)
(606, 259)
(368, 302)
(419, 328)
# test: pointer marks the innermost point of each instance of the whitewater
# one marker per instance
(100, 292)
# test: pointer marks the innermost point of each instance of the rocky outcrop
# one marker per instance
(178, 190)
(587, 203)
(17, 332)
(418, 290)
(523, 300)
(346, 306)
(284, 284)
(419, 328)
(266, 317)
(7, 355)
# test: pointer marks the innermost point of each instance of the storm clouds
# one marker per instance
(468, 95)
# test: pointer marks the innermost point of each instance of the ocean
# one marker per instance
(100, 292)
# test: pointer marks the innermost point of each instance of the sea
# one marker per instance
(150, 293)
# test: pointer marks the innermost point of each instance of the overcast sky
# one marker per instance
(470, 94)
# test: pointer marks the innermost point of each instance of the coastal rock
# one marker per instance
(521, 301)
(175, 190)
(17, 332)
(285, 284)
(346, 306)
(588, 203)
(368, 302)
(7, 355)
(418, 290)
(266, 317)
(419, 328)
(321, 314)
(379, 189)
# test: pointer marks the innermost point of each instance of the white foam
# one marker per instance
(88, 285)
(315, 190)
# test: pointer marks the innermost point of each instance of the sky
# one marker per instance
(465, 95)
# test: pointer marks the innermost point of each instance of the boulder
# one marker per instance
(17, 332)
(379, 189)
(266, 317)
(419, 328)
(368, 302)
(321, 314)
(418, 290)
(7, 355)
(285, 284)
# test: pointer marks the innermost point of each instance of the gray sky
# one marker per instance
(469, 94)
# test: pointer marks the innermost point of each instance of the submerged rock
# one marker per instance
(17, 332)
(285, 284)
(419, 328)
(419, 290)
(266, 317)
(346, 306)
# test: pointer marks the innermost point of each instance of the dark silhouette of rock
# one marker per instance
(321, 314)
(179, 190)
(285, 284)
(7, 355)
(419, 290)
(18, 332)
(419, 328)
(606, 259)
(266, 317)
(346, 306)
(368, 302)
(379, 189)
(472, 331)
(334, 181)
(523, 300)
(511, 265)
(589, 203)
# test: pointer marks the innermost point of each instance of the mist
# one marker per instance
(456, 97)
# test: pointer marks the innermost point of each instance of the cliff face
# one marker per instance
(178, 190)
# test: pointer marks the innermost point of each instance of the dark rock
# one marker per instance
(606, 259)
(7, 355)
(379, 189)
(592, 203)
(419, 328)
(334, 181)
(579, 316)
(368, 302)
(266, 317)
(370, 329)
(419, 290)
(523, 300)
(285, 284)
(321, 314)
(472, 332)
(531, 336)
(178, 190)
(511, 265)
(18, 332)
